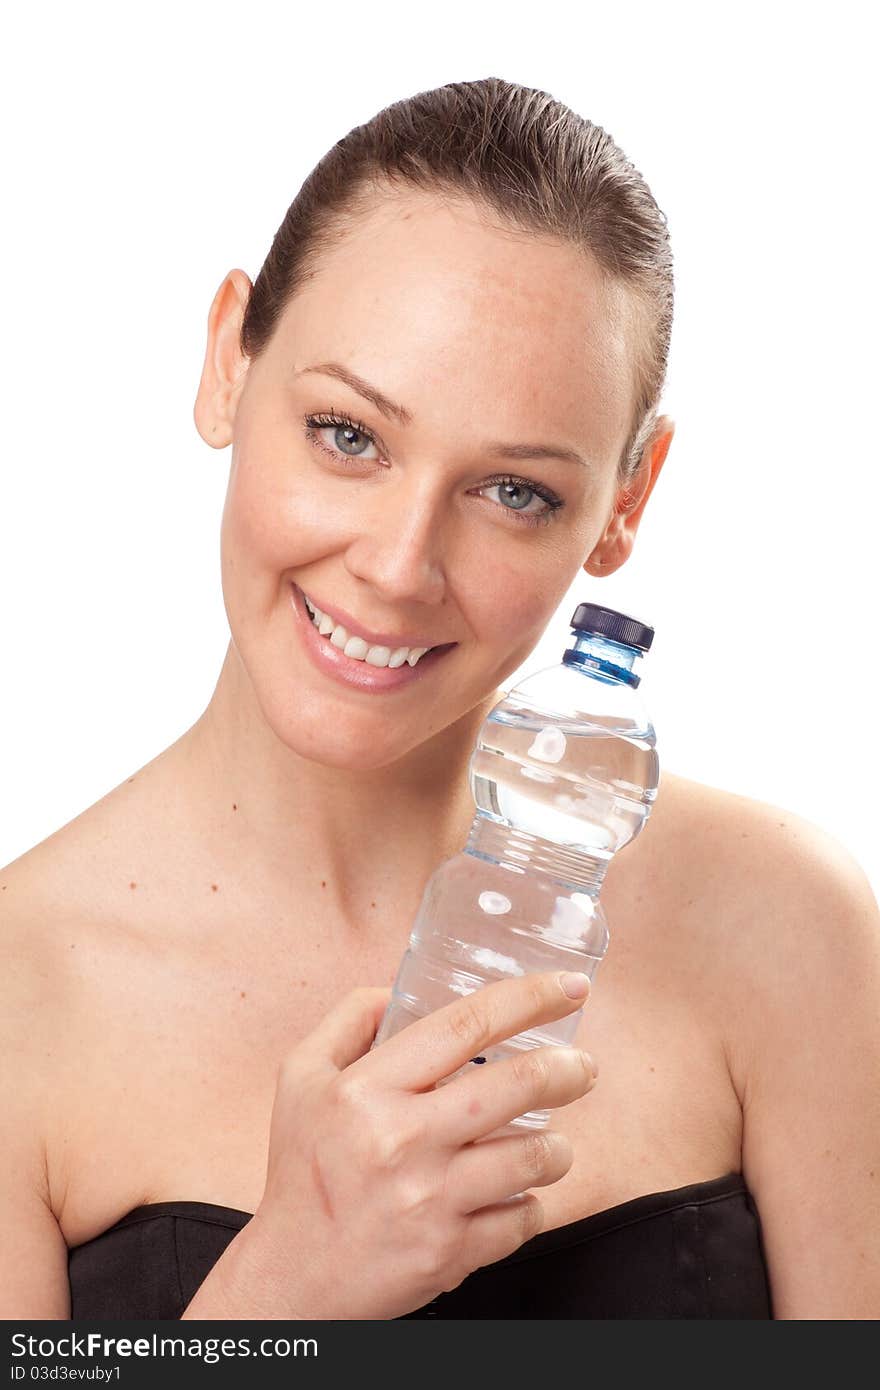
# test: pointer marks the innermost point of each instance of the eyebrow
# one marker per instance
(392, 411)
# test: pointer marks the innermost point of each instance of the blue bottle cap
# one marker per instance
(593, 618)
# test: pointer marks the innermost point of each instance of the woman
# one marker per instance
(441, 393)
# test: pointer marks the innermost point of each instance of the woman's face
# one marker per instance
(450, 517)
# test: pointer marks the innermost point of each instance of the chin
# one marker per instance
(352, 752)
(350, 757)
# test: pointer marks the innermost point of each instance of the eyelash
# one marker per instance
(339, 418)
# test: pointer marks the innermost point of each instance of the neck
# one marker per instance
(361, 842)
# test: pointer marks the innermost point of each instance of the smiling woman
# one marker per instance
(388, 478)
(441, 394)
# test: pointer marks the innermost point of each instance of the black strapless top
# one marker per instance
(695, 1252)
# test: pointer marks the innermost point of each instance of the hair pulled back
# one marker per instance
(518, 152)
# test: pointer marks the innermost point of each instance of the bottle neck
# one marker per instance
(522, 853)
(602, 658)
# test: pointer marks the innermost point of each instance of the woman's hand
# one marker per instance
(378, 1194)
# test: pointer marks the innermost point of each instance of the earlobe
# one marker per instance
(225, 366)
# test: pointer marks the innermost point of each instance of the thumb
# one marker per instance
(347, 1030)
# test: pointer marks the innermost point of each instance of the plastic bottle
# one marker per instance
(563, 774)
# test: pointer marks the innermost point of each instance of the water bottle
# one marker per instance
(563, 774)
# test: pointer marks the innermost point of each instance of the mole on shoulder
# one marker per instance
(213, 888)
(132, 885)
(234, 807)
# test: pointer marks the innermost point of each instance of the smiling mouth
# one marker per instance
(358, 649)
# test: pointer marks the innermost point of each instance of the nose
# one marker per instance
(399, 548)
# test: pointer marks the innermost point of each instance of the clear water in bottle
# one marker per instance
(563, 775)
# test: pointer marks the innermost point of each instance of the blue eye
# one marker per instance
(511, 486)
(351, 439)
(343, 430)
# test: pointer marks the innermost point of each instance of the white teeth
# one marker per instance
(377, 656)
(357, 648)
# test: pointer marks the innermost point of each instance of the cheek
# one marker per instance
(520, 592)
(512, 602)
(273, 517)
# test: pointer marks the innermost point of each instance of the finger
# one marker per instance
(485, 1098)
(434, 1047)
(499, 1230)
(487, 1172)
(347, 1030)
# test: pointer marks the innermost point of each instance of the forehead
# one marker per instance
(436, 302)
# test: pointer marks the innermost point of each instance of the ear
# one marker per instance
(615, 546)
(225, 366)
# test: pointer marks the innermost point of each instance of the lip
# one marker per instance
(333, 662)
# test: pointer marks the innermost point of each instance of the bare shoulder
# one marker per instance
(740, 849)
(772, 903)
(746, 890)
(58, 925)
(758, 864)
(785, 952)
(33, 1260)
(48, 933)
(46, 957)
(33, 977)
(30, 986)
(69, 870)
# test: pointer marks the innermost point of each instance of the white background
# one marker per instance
(149, 151)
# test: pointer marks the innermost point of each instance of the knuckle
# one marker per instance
(563, 1152)
(381, 1134)
(471, 1021)
(532, 1070)
(537, 1151)
(531, 1217)
(536, 992)
(451, 1262)
(434, 1273)
(392, 1146)
(416, 1196)
(440, 1261)
(578, 1074)
(589, 1067)
(430, 1269)
(349, 1091)
(453, 1272)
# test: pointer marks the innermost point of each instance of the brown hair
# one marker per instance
(519, 152)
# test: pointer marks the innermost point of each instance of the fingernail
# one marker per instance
(575, 985)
